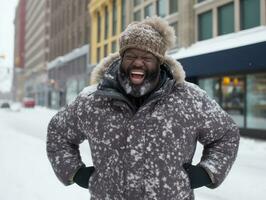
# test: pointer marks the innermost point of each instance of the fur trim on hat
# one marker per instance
(153, 34)
(162, 26)
(98, 72)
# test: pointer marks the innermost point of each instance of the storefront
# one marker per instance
(68, 75)
(236, 79)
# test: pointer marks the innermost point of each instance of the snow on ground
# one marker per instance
(26, 173)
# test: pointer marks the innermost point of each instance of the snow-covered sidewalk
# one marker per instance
(26, 173)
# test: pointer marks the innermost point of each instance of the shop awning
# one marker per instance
(244, 59)
(244, 51)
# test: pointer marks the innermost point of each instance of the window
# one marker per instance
(161, 8)
(173, 6)
(233, 97)
(201, 1)
(106, 22)
(175, 26)
(98, 54)
(205, 25)
(105, 50)
(114, 17)
(226, 19)
(212, 87)
(229, 92)
(148, 10)
(256, 101)
(249, 13)
(98, 27)
(136, 2)
(114, 46)
(73, 11)
(123, 15)
(137, 15)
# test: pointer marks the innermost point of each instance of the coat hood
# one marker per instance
(98, 72)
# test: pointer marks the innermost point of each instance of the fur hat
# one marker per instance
(152, 34)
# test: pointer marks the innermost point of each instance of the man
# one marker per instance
(142, 123)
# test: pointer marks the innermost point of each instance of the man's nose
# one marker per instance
(138, 62)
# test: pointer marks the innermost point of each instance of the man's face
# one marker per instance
(140, 71)
(140, 65)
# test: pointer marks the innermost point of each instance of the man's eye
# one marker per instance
(147, 59)
(129, 57)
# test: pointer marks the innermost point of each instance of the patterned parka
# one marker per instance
(139, 153)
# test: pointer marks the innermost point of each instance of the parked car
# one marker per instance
(28, 102)
(5, 105)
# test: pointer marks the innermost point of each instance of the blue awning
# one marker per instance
(244, 59)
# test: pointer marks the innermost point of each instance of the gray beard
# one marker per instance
(136, 91)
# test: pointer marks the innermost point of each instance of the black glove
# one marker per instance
(83, 175)
(197, 175)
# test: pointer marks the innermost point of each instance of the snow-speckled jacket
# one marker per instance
(139, 153)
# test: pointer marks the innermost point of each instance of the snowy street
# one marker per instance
(26, 173)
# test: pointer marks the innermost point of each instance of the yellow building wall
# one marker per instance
(96, 6)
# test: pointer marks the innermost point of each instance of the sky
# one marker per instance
(7, 15)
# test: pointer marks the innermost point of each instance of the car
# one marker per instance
(28, 102)
(5, 105)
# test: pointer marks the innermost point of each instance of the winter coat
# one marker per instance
(139, 153)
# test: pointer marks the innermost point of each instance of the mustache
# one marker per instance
(149, 74)
(132, 67)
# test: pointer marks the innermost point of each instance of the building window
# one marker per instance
(229, 92)
(137, 15)
(73, 11)
(205, 25)
(114, 17)
(161, 8)
(98, 27)
(199, 1)
(105, 50)
(123, 15)
(226, 19)
(256, 101)
(173, 6)
(175, 26)
(106, 22)
(98, 54)
(148, 10)
(114, 46)
(249, 13)
(136, 2)
(233, 97)
(212, 87)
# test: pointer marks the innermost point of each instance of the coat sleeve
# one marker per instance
(63, 139)
(220, 137)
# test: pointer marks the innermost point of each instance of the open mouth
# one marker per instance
(137, 76)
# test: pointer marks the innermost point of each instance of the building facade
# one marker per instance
(36, 50)
(109, 18)
(19, 52)
(221, 44)
(68, 55)
(226, 58)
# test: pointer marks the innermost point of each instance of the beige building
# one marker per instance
(69, 49)
(36, 50)
(70, 26)
(19, 52)
(196, 20)
(222, 45)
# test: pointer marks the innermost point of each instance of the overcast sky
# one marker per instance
(7, 15)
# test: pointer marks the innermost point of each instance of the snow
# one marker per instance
(228, 41)
(26, 173)
(59, 61)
